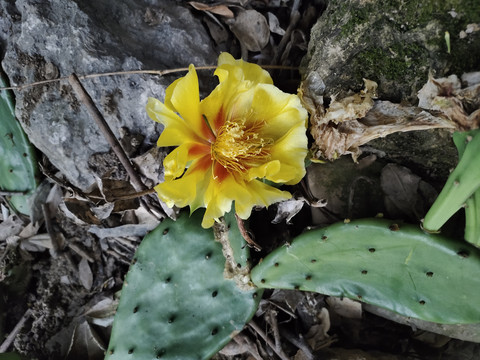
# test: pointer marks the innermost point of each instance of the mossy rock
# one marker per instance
(395, 43)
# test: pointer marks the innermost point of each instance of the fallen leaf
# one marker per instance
(86, 344)
(406, 194)
(10, 227)
(251, 29)
(274, 24)
(357, 119)
(345, 307)
(79, 211)
(102, 313)
(447, 96)
(221, 10)
(85, 274)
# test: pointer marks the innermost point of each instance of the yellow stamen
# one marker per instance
(239, 146)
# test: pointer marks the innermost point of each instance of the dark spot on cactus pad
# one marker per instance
(364, 272)
(130, 351)
(168, 279)
(276, 264)
(239, 266)
(262, 281)
(296, 287)
(313, 261)
(171, 319)
(24, 154)
(421, 302)
(11, 170)
(463, 253)
(165, 232)
(160, 353)
(360, 297)
(134, 261)
(214, 331)
(394, 227)
(308, 277)
(215, 293)
(324, 237)
(208, 255)
(254, 295)
(372, 250)
(429, 274)
(135, 309)
(111, 351)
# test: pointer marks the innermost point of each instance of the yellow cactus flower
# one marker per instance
(245, 131)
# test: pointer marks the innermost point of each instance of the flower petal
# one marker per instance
(260, 195)
(175, 163)
(267, 170)
(183, 97)
(290, 151)
(279, 110)
(190, 188)
(175, 130)
(249, 72)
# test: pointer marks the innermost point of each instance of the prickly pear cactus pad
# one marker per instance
(18, 166)
(395, 266)
(461, 184)
(176, 302)
(472, 205)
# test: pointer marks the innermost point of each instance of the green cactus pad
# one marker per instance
(472, 205)
(176, 302)
(395, 266)
(461, 184)
(18, 166)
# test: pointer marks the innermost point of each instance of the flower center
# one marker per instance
(239, 147)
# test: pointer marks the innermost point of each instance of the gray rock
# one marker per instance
(50, 39)
(395, 43)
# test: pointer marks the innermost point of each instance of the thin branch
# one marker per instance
(269, 342)
(134, 195)
(107, 132)
(246, 235)
(8, 341)
(130, 72)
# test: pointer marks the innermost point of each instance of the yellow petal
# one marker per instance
(174, 163)
(249, 72)
(189, 189)
(260, 195)
(246, 195)
(267, 170)
(183, 96)
(280, 111)
(176, 130)
(290, 151)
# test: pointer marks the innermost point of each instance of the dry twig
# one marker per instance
(269, 342)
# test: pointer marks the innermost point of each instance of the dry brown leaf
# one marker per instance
(85, 274)
(79, 211)
(352, 107)
(447, 96)
(86, 343)
(251, 29)
(221, 10)
(383, 119)
(345, 307)
(274, 24)
(355, 120)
